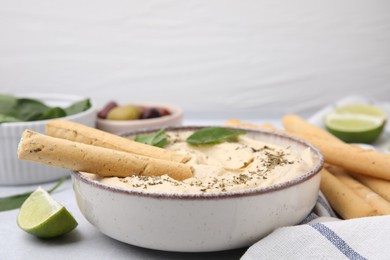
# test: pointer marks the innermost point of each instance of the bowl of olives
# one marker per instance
(119, 118)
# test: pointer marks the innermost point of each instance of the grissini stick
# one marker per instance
(238, 123)
(342, 199)
(382, 187)
(350, 157)
(94, 159)
(381, 205)
(295, 123)
(336, 152)
(83, 134)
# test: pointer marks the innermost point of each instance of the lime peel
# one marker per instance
(42, 216)
(356, 123)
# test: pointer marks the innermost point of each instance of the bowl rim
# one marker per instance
(176, 111)
(212, 195)
(58, 96)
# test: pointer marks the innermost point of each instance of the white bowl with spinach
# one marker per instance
(32, 111)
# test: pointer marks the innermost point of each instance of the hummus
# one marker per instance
(228, 166)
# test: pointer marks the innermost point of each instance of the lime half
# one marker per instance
(356, 123)
(42, 216)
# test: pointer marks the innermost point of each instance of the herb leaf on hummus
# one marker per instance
(213, 135)
(158, 139)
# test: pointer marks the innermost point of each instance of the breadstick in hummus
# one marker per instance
(342, 199)
(93, 159)
(381, 205)
(382, 187)
(297, 124)
(83, 134)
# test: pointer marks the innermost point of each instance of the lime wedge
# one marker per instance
(356, 123)
(42, 216)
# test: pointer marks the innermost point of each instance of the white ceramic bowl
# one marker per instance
(16, 172)
(120, 126)
(203, 222)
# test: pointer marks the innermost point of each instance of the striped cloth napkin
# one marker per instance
(321, 235)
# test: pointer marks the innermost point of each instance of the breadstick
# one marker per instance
(93, 159)
(83, 134)
(381, 205)
(349, 157)
(295, 123)
(238, 123)
(342, 199)
(382, 187)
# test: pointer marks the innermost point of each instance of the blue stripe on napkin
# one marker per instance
(324, 204)
(309, 218)
(337, 241)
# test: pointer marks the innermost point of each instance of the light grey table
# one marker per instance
(85, 242)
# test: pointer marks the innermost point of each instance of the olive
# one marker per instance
(127, 112)
(164, 111)
(151, 113)
(106, 109)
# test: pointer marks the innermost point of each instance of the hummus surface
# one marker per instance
(229, 166)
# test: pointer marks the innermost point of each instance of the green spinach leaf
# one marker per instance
(78, 107)
(7, 103)
(14, 109)
(5, 118)
(15, 201)
(29, 109)
(51, 113)
(213, 135)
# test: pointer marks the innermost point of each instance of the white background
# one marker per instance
(216, 59)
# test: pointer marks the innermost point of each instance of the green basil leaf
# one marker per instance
(158, 139)
(15, 201)
(213, 135)
(78, 107)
